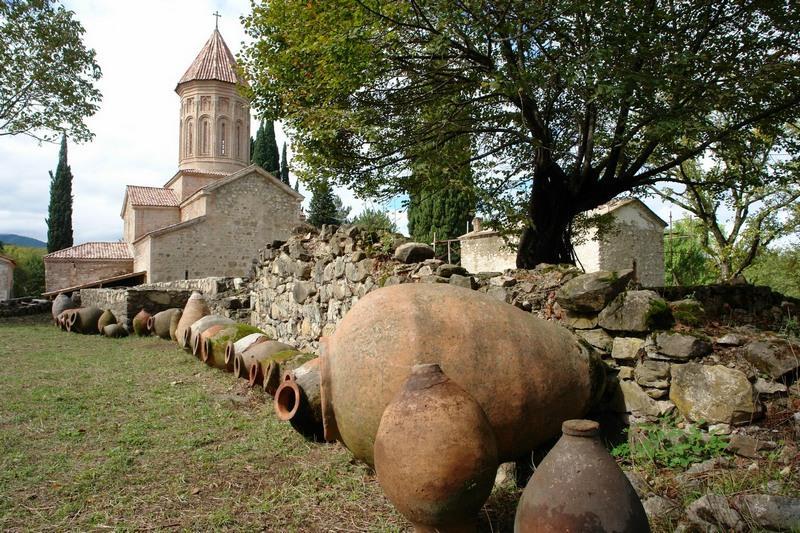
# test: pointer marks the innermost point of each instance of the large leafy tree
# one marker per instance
(59, 212)
(744, 194)
(686, 261)
(48, 75)
(571, 103)
(375, 220)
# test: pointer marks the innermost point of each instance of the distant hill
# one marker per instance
(19, 240)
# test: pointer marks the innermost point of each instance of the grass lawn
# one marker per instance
(134, 434)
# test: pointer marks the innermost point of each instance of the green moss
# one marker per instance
(659, 314)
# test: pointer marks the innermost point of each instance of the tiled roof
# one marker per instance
(152, 196)
(94, 250)
(214, 62)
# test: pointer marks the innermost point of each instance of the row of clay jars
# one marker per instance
(164, 323)
(528, 375)
(61, 303)
(195, 309)
(436, 458)
(214, 346)
(198, 327)
(260, 351)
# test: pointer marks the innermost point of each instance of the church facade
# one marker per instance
(213, 215)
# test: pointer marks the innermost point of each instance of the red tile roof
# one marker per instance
(110, 251)
(214, 62)
(152, 196)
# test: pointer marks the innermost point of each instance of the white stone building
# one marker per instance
(635, 240)
(7, 267)
(213, 215)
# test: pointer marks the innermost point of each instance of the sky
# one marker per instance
(143, 48)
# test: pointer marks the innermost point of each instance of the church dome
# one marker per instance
(214, 62)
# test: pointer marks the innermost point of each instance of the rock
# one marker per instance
(413, 252)
(393, 280)
(679, 346)
(302, 270)
(711, 511)
(713, 394)
(500, 293)
(468, 282)
(719, 429)
(730, 340)
(447, 270)
(503, 281)
(638, 483)
(777, 513)
(652, 374)
(303, 290)
(625, 373)
(506, 473)
(708, 465)
(597, 338)
(358, 272)
(657, 394)
(580, 321)
(590, 293)
(775, 358)
(635, 311)
(297, 251)
(688, 311)
(658, 507)
(743, 446)
(627, 348)
(636, 401)
(762, 386)
(424, 270)
(433, 278)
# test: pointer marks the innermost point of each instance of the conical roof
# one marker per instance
(214, 62)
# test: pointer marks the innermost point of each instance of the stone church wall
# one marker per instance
(645, 245)
(6, 279)
(63, 274)
(486, 252)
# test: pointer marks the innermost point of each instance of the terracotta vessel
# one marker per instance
(528, 375)
(215, 347)
(63, 318)
(195, 309)
(140, 322)
(197, 328)
(258, 352)
(84, 320)
(269, 373)
(232, 349)
(579, 487)
(173, 324)
(297, 400)
(435, 453)
(199, 346)
(107, 318)
(115, 330)
(61, 303)
(159, 323)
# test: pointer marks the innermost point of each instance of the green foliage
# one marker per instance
(284, 166)
(663, 445)
(48, 75)
(375, 220)
(685, 261)
(566, 104)
(323, 208)
(29, 273)
(265, 149)
(778, 269)
(59, 212)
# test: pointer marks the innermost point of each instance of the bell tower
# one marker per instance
(214, 134)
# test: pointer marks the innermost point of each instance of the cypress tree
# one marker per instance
(59, 219)
(258, 152)
(284, 166)
(322, 208)
(272, 162)
(252, 147)
(297, 185)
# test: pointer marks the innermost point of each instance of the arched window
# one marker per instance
(223, 138)
(206, 137)
(189, 137)
(238, 140)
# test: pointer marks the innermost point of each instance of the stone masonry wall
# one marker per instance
(6, 279)
(486, 252)
(645, 245)
(60, 275)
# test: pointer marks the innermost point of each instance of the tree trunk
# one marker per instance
(551, 209)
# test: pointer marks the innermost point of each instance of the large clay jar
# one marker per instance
(140, 322)
(258, 352)
(195, 309)
(159, 323)
(61, 303)
(106, 319)
(237, 348)
(270, 372)
(579, 487)
(115, 331)
(201, 342)
(84, 320)
(215, 347)
(435, 453)
(528, 375)
(196, 329)
(173, 324)
(297, 400)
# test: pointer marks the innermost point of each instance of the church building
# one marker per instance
(212, 216)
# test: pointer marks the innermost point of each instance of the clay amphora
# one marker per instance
(107, 318)
(435, 453)
(173, 324)
(528, 375)
(270, 372)
(199, 347)
(159, 323)
(115, 330)
(297, 400)
(85, 320)
(579, 487)
(140, 322)
(61, 303)
(195, 309)
(203, 324)
(258, 352)
(64, 318)
(215, 347)
(232, 349)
